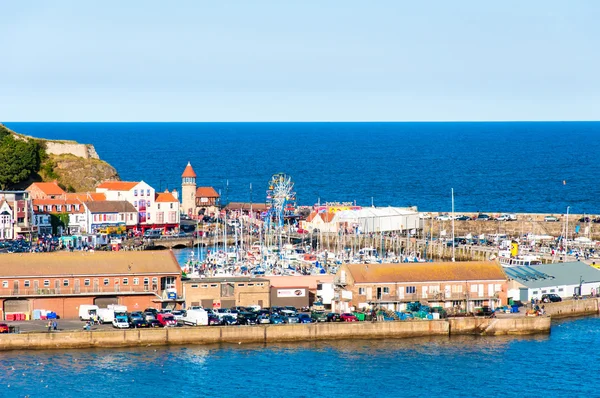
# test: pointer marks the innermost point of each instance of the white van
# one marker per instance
(153, 233)
(86, 311)
(106, 315)
(117, 307)
(195, 318)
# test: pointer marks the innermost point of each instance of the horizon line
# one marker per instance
(303, 121)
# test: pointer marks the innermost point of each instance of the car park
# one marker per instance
(276, 320)
(463, 218)
(483, 217)
(153, 323)
(213, 320)
(263, 319)
(289, 316)
(443, 217)
(4, 328)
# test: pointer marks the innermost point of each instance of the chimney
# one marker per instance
(175, 194)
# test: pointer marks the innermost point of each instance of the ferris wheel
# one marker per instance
(281, 196)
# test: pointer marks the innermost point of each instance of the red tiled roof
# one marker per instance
(311, 216)
(49, 188)
(165, 197)
(189, 171)
(206, 192)
(118, 185)
(53, 203)
(327, 217)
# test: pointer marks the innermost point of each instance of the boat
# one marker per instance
(506, 260)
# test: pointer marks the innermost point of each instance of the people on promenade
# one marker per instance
(49, 326)
(54, 325)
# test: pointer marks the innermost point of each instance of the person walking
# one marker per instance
(49, 326)
(54, 325)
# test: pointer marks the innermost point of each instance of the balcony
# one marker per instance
(431, 297)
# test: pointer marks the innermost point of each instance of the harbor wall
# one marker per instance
(569, 308)
(271, 333)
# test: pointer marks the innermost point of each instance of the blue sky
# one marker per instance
(299, 60)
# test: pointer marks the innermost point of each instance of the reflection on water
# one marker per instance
(452, 366)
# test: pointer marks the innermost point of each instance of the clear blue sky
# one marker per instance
(299, 60)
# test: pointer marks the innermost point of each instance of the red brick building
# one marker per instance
(62, 281)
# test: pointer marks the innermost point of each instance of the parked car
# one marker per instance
(348, 317)
(247, 318)
(289, 317)
(424, 216)
(333, 317)
(463, 218)
(483, 217)
(178, 315)
(228, 320)
(153, 323)
(166, 320)
(319, 316)
(276, 319)
(551, 298)
(485, 311)
(263, 319)
(213, 320)
(291, 308)
(138, 323)
(443, 217)
(136, 315)
(585, 219)
(305, 318)
(3, 328)
(551, 219)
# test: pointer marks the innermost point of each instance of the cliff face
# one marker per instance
(76, 167)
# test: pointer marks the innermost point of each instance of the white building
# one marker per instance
(6, 221)
(143, 198)
(110, 216)
(563, 279)
(380, 219)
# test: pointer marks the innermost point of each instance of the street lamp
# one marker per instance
(567, 234)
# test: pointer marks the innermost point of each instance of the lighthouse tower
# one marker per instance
(188, 191)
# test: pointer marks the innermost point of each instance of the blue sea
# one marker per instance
(513, 167)
(562, 364)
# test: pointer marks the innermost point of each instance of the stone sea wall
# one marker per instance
(570, 308)
(272, 333)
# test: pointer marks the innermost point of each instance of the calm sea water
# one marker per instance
(562, 364)
(512, 167)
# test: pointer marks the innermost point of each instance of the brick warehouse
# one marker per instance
(62, 281)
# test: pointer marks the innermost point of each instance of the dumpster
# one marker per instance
(360, 316)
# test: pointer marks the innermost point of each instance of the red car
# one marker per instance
(3, 328)
(302, 231)
(347, 317)
(166, 320)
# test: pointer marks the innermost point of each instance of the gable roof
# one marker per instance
(206, 192)
(51, 205)
(327, 217)
(556, 274)
(311, 216)
(88, 263)
(165, 197)
(110, 206)
(48, 188)
(188, 171)
(117, 185)
(426, 272)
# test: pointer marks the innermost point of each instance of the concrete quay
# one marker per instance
(572, 308)
(274, 333)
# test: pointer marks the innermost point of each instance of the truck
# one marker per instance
(87, 311)
(195, 317)
(107, 315)
(166, 319)
(120, 321)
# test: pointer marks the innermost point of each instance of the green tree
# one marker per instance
(18, 160)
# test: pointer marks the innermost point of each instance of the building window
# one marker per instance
(86, 282)
(386, 290)
(106, 281)
(456, 303)
(155, 281)
(535, 292)
(260, 284)
(46, 283)
(26, 283)
(240, 284)
(194, 286)
(411, 289)
(213, 285)
(135, 192)
(552, 290)
(125, 281)
(361, 291)
(147, 192)
(478, 303)
(136, 281)
(65, 282)
(560, 289)
(171, 205)
(116, 281)
(250, 284)
(146, 281)
(5, 284)
(544, 291)
(158, 206)
(204, 286)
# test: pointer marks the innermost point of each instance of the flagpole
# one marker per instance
(453, 241)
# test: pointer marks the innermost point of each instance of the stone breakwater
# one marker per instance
(275, 333)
